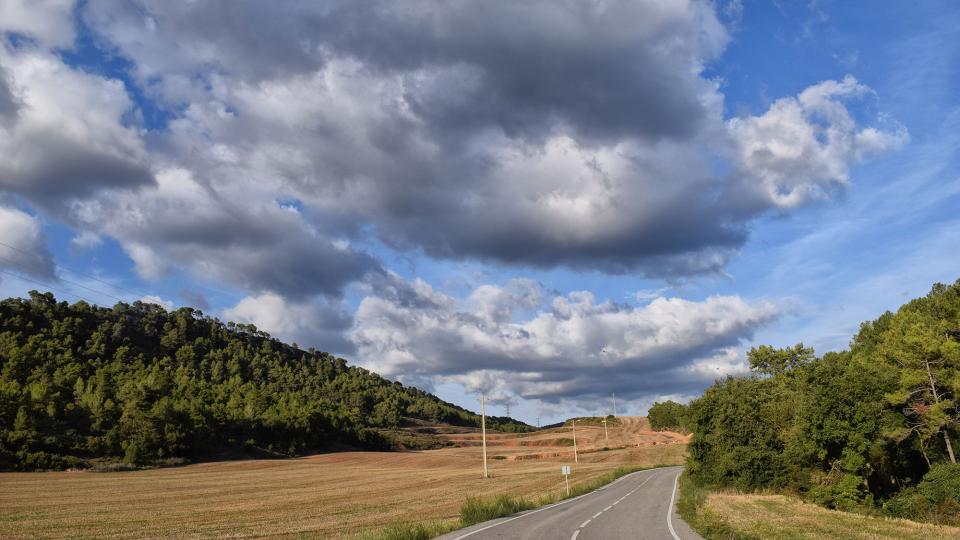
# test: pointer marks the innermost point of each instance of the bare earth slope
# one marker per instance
(331, 495)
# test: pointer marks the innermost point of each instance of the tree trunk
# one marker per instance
(946, 439)
(936, 398)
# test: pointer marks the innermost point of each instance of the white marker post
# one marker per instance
(483, 431)
(565, 469)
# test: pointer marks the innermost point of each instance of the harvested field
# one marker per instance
(331, 495)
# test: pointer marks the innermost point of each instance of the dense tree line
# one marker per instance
(668, 416)
(80, 383)
(870, 427)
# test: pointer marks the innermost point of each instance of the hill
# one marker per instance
(82, 384)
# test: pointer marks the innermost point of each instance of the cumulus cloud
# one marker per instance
(252, 242)
(536, 134)
(58, 145)
(23, 246)
(49, 22)
(803, 146)
(309, 323)
(519, 340)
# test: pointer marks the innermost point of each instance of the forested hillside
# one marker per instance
(80, 383)
(873, 427)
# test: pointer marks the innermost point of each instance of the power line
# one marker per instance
(46, 285)
(113, 285)
(74, 283)
(88, 276)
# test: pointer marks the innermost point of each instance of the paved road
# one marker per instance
(637, 506)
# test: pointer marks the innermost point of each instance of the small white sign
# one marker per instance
(565, 470)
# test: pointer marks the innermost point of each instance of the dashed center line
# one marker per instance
(576, 533)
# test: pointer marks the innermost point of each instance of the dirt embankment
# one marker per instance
(558, 442)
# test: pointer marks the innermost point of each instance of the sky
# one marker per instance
(545, 202)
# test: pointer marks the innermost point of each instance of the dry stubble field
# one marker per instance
(338, 495)
(777, 517)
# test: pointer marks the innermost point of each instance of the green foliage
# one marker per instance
(936, 498)
(847, 492)
(770, 361)
(849, 428)
(941, 484)
(738, 434)
(80, 383)
(668, 415)
(478, 510)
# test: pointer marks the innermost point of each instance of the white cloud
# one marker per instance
(430, 133)
(62, 144)
(151, 299)
(571, 346)
(48, 21)
(310, 323)
(802, 148)
(23, 246)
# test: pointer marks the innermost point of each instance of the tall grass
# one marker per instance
(477, 510)
(690, 506)
(413, 531)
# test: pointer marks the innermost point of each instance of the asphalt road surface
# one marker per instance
(640, 506)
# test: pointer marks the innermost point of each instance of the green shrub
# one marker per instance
(668, 415)
(847, 493)
(909, 504)
(942, 483)
(935, 499)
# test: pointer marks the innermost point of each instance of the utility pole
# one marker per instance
(614, 404)
(507, 407)
(483, 431)
(576, 458)
(605, 435)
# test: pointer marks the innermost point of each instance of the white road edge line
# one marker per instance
(673, 496)
(595, 516)
(471, 533)
(585, 523)
(576, 533)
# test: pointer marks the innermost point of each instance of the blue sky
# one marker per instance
(435, 203)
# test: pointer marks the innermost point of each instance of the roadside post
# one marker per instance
(483, 431)
(576, 458)
(565, 469)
